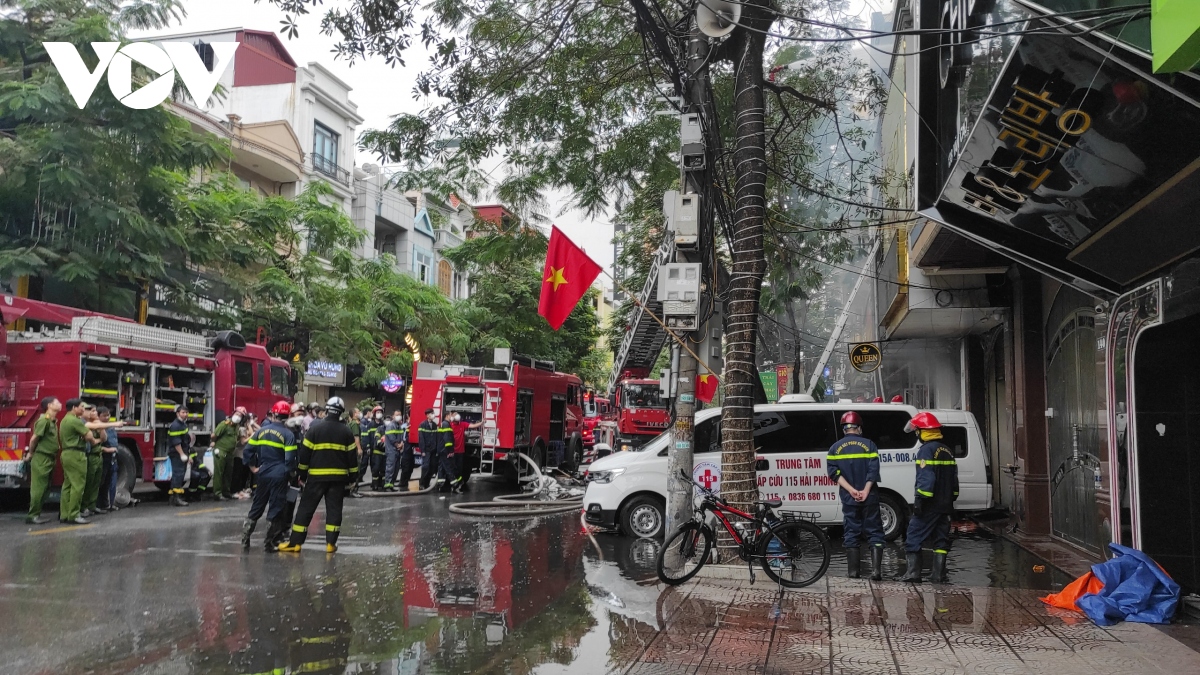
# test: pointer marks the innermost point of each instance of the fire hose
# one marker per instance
(523, 505)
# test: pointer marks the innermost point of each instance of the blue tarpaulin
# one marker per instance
(1135, 589)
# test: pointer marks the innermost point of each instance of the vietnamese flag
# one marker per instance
(706, 387)
(568, 274)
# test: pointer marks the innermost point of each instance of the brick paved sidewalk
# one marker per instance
(852, 626)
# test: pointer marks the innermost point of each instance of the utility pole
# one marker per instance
(692, 181)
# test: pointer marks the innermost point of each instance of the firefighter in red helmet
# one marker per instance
(854, 463)
(937, 488)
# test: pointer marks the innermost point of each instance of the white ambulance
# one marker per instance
(628, 490)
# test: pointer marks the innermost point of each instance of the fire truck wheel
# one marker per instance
(127, 473)
(574, 458)
(643, 517)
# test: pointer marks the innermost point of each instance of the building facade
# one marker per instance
(1046, 275)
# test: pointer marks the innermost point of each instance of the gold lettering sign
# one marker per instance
(865, 357)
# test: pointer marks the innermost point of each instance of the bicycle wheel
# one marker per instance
(684, 553)
(794, 553)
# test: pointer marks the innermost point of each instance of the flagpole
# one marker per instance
(680, 341)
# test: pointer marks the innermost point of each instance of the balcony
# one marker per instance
(327, 167)
(269, 149)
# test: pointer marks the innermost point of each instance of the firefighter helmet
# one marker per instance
(922, 420)
(851, 419)
(297, 408)
(897, 399)
(281, 408)
(877, 399)
(335, 406)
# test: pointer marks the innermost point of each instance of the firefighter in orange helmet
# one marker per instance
(854, 463)
(937, 488)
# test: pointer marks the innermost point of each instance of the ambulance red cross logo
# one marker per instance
(708, 474)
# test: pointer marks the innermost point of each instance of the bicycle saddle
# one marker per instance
(772, 503)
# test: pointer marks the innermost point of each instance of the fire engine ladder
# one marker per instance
(490, 436)
(645, 338)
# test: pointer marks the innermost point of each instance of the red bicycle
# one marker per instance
(791, 549)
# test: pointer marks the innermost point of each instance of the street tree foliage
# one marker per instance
(505, 263)
(567, 93)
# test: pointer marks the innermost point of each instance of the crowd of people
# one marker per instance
(287, 464)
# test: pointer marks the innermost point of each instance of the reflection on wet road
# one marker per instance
(412, 589)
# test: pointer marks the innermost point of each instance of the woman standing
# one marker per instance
(42, 454)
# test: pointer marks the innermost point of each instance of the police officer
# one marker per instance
(430, 441)
(355, 426)
(328, 466)
(366, 435)
(224, 443)
(937, 488)
(854, 463)
(271, 455)
(179, 452)
(393, 446)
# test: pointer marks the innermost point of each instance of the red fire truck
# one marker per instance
(641, 411)
(526, 407)
(139, 372)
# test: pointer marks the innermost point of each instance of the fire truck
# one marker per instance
(139, 372)
(641, 412)
(525, 406)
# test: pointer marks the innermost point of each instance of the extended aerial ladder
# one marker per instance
(645, 337)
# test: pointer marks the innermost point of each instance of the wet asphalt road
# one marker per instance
(413, 589)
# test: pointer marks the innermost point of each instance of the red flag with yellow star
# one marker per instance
(706, 387)
(568, 274)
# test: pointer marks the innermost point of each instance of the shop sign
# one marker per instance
(392, 383)
(865, 357)
(770, 381)
(325, 373)
(1079, 159)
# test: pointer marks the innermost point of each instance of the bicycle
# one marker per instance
(791, 549)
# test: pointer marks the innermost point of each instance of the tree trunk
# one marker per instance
(738, 481)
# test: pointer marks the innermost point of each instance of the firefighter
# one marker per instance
(41, 456)
(460, 471)
(271, 455)
(393, 446)
(224, 443)
(355, 425)
(854, 463)
(179, 450)
(430, 441)
(327, 467)
(937, 488)
(373, 457)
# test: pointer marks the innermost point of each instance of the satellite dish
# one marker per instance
(717, 18)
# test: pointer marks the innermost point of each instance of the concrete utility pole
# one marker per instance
(679, 455)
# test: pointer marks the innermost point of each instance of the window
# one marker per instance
(243, 373)
(794, 431)
(325, 150)
(886, 428)
(422, 265)
(445, 272)
(279, 381)
(956, 439)
(207, 55)
(706, 436)
(262, 375)
(642, 396)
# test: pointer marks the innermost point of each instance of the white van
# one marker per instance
(628, 490)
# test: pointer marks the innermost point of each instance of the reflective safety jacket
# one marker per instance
(179, 436)
(393, 436)
(857, 460)
(368, 436)
(328, 453)
(434, 438)
(273, 450)
(937, 477)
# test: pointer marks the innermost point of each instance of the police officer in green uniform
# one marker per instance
(42, 455)
(95, 465)
(73, 434)
(224, 441)
(355, 425)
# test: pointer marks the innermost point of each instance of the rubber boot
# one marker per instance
(853, 558)
(274, 529)
(913, 573)
(937, 572)
(876, 563)
(247, 530)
